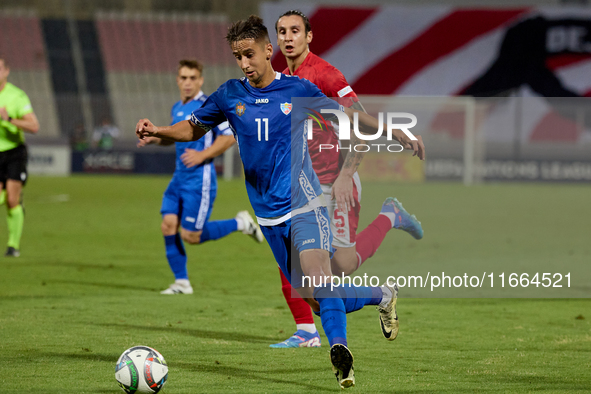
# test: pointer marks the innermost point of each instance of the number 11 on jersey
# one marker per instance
(266, 122)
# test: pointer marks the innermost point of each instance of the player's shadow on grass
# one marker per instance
(30, 297)
(227, 371)
(234, 372)
(90, 356)
(197, 333)
(117, 286)
(77, 265)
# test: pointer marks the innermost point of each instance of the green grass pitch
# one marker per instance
(86, 288)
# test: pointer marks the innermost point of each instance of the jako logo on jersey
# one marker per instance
(308, 241)
(286, 108)
(240, 108)
(262, 101)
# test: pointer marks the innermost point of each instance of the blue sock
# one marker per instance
(356, 298)
(176, 255)
(218, 229)
(332, 315)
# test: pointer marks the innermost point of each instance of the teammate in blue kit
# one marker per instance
(281, 184)
(191, 192)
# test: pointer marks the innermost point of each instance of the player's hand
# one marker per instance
(342, 192)
(147, 141)
(192, 157)
(417, 146)
(4, 113)
(145, 128)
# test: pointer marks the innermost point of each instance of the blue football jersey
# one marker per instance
(180, 112)
(277, 166)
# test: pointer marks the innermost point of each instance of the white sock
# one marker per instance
(311, 328)
(183, 282)
(390, 215)
(240, 224)
(386, 296)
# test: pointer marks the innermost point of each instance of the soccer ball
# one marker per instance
(141, 369)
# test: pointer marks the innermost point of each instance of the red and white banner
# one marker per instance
(435, 50)
(447, 51)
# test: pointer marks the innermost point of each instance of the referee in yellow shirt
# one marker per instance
(16, 117)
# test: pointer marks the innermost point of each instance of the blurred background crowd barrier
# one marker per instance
(501, 93)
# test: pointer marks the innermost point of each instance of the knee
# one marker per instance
(167, 228)
(13, 193)
(344, 262)
(191, 237)
(341, 271)
(13, 200)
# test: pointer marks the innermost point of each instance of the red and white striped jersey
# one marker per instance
(332, 83)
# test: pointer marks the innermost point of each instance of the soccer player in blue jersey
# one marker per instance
(189, 198)
(294, 34)
(281, 184)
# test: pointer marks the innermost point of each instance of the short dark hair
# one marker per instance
(298, 13)
(192, 64)
(251, 28)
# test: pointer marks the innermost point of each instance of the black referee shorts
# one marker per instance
(13, 164)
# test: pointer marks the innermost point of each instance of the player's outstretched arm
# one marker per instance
(182, 131)
(219, 146)
(193, 157)
(153, 141)
(342, 188)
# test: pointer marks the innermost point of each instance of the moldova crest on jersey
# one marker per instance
(286, 108)
(240, 108)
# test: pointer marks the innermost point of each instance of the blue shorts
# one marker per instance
(192, 205)
(309, 230)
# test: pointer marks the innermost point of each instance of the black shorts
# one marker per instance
(13, 164)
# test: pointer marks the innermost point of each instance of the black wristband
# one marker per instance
(10, 118)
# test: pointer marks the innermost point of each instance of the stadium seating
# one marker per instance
(141, 53)
(21, 43)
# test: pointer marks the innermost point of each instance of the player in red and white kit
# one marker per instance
(294, 33)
